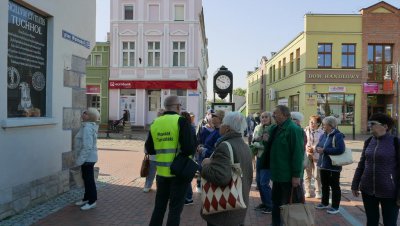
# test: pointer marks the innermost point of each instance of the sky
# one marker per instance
(241, 32)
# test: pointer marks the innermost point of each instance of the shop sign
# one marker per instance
(92, 89)
(370, 87)
(26, 62)
(152, 84)
(337, 89)
(193, 94)
(283, 102)
(333, 76)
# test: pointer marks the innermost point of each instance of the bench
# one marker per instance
(104, 128)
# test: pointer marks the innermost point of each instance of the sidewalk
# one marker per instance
(121, 200)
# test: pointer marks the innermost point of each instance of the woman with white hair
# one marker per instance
(217, 168)
(330, 143)
(86, 148)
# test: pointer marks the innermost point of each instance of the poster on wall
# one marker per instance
(26, 62)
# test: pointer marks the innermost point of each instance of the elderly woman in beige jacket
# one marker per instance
(217, 168)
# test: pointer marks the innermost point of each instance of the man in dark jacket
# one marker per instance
(168, 133)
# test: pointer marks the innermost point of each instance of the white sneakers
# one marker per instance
(318, 196)
(88, 206)
(307, 195)
(145, 190)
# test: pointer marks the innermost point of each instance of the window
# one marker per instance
(179, 12)
(93, 101)
(324, 55)
(252, 98)
(256, 97)
(270, 75)
(339, 105)
(179, 53)
(181, 93)
(154, 13)
(128, 12)
(298, 59)
(291, 64)
(153, 54)
(294, 103)
(279, 70)
(284, 67)
(348, 55)
(97, 60)
(379, 57)
(273, 71)
(128, 54)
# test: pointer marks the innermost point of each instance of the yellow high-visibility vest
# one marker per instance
(165, 134)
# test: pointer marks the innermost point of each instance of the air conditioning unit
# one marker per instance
(272, 94)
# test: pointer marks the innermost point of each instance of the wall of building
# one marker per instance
(36, 152)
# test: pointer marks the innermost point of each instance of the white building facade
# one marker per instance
(44, 47)
(157, 48)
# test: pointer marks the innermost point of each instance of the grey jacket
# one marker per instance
(219, 173)
(85, 143)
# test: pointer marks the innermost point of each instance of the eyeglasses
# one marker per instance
(372, 123)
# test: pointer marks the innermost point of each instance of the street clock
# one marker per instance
(223, 82)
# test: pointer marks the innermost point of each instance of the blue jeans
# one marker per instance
(390, 211)
(172, 190)
(152, 175)
(263, 178)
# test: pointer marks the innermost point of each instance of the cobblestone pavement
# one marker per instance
(122, 202)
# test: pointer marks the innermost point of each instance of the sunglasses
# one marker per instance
(372, 123)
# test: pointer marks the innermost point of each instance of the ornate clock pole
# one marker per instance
(223, 85)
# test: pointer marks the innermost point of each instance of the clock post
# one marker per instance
(222, 86)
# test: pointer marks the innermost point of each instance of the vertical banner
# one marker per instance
(26, 62)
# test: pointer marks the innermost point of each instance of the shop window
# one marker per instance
(153, 54)
(128, 54)
(178, 54)
(128, 12)
(294, 103)
(324, 55)
(341, 106)
(348, 55)
(26, 62)
(379, 57)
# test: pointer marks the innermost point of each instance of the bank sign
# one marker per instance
(26, 62)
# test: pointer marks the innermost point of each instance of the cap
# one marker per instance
(219, 113)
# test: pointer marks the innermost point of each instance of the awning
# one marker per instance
(119, 84)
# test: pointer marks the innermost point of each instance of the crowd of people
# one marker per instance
(291, 163)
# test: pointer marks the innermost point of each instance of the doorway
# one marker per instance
(154, 103)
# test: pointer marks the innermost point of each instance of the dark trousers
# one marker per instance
(88, 178)
(173, 190)
(281, 195)
(330, 180)
(390, 211)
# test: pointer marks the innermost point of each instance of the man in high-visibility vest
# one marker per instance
(168, 134)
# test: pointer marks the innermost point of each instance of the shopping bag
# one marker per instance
(297, 214)
(217, 199)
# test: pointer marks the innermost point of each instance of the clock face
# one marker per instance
(223, 82)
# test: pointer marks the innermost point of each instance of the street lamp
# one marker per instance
(396, 80)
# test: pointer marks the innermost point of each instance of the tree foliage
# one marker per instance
(239, 92)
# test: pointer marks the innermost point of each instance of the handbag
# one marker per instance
(301, 214)
(346, 158)
(184, 167)
(144, 169)
(216, 199)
